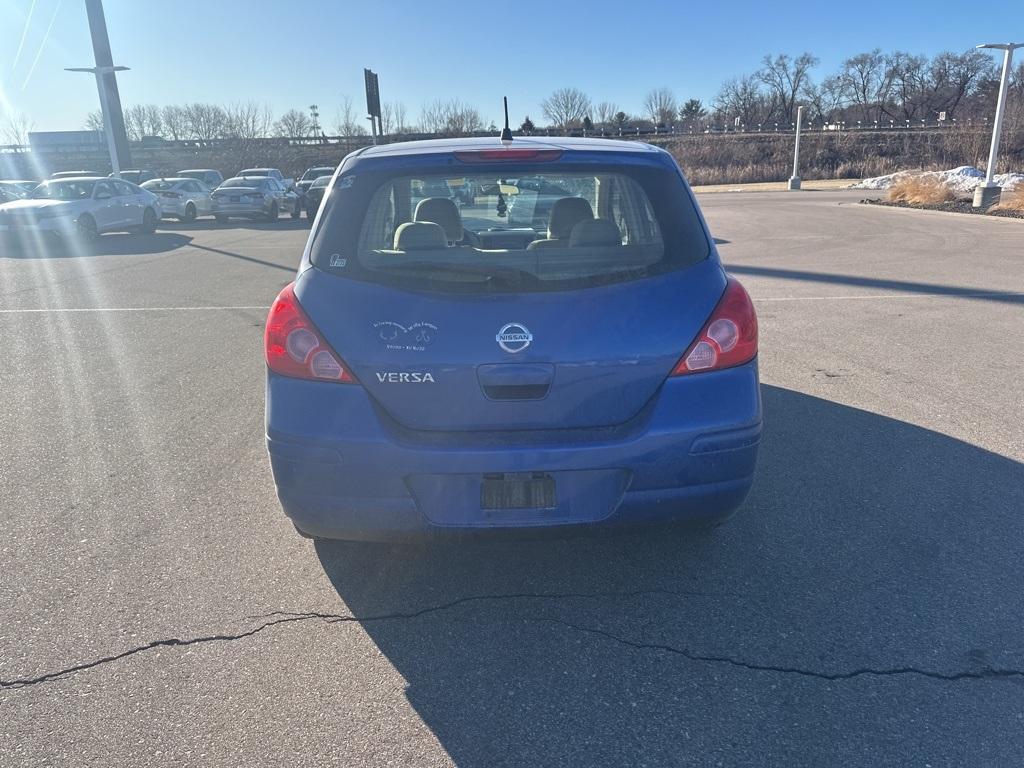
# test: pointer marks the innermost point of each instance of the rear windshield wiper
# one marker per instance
(486, 273)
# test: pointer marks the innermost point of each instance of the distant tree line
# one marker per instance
(869, 87)
(251, 120)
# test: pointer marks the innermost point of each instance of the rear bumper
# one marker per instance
(240, 209)
(344, 470)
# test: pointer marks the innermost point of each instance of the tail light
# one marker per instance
(294, 347)
(729, 337)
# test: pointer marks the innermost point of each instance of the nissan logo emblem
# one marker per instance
(514, 337)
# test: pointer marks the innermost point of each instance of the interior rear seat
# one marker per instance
(595, 233)
(444, 212)
(566, 213)
(420, 236)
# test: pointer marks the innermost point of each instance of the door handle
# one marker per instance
(516, 381)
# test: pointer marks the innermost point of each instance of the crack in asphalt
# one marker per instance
(986, 673)
(285, 617)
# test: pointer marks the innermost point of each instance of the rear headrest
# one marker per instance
(443, 211)
(419, 236)
(595, 232)
(566, 213)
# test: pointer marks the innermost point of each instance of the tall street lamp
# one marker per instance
(106, 84)
(987, 193)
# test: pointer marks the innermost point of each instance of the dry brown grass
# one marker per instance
(1012, 199)
(919, 189)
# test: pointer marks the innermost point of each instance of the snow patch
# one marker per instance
(961, 180)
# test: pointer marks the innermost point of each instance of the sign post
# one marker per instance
(372, 102)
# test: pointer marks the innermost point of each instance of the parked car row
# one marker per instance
(84, 204)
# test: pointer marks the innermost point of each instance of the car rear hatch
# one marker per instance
(586, 341)
(590, 358)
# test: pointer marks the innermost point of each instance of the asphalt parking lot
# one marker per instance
(863, 608)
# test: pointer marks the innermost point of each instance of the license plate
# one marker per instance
(234, 198)
(525, 490)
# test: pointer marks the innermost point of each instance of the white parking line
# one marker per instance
(128, 309)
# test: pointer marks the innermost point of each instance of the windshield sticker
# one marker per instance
(414, 338)
(338, 261)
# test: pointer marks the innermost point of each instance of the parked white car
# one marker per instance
(15, 190)
(83, 208)
(182, 198)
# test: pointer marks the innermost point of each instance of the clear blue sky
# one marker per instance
(298, 52)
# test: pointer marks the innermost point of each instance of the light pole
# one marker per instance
(105, 110)
(106, 83)
(987, 193)
(794, 180)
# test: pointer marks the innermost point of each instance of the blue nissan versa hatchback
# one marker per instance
(563, 350)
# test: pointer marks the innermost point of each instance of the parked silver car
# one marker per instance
(210, 177)
(82, 207)
(183, 199)
(254, 197)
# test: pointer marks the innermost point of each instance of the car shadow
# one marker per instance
(903, 286)
(869, 553)
(116, 244)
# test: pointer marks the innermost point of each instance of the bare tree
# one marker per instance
(248, 120)
(566, 107)
(94, 120)
(604, 112)
(824, 100)
(452, 117)
(16, 129)
(660, 106)
(175, 122)
(743, 98)
(398, 113)
(785, 78)
(294, 122)
(865, 84)
(205, 121)
(347, 121)
(143, 120)
(955, 76)
(134, 118)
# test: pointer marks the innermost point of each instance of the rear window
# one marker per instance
(255, 172)
(550, 227)
(316, 173)
(249, 182)
(158, 184)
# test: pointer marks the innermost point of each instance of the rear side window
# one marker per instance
(543, 228)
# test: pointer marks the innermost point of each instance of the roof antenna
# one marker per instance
(506, 133)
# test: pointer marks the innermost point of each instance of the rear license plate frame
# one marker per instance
(505, 491)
